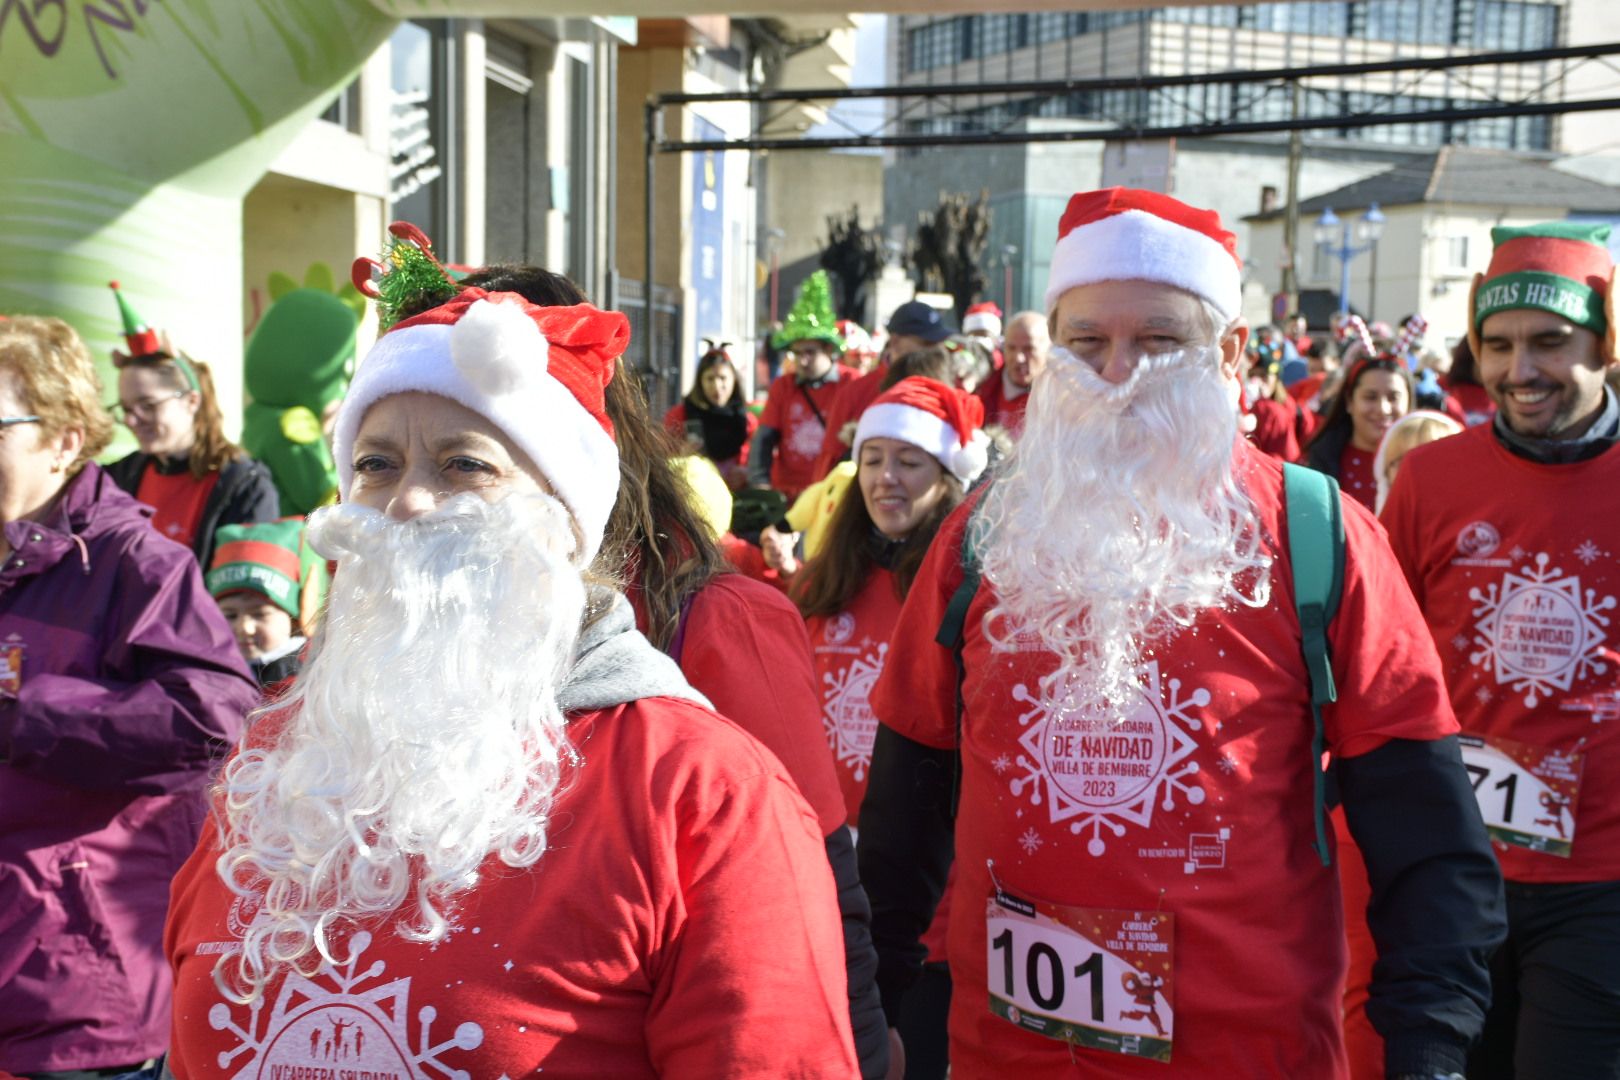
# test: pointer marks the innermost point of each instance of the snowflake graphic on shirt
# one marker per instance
(1589, 553)
(341, 1021)
(805, 433)
(1031, 841)
(847, 711)
(1538, 630)
(1102, 770)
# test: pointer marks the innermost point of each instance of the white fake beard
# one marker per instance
(423, 733)
(1117, 520)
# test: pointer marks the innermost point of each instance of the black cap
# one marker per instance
(919, 320)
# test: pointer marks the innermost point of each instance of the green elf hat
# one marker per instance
(144, 343)
(262, 558)
(1561, 266)
(812, 317)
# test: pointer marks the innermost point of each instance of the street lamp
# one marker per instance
(1008, 253)
(773, 243)
(1345, 239)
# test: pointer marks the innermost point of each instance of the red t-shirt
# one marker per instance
(1475, 402)
(1276, 429)
(788, 410)
(848, 650)
(745, 650)
(1356, 476)
(1514, 566)
(1201, 810)
(999, 409)
(648, 940)
(852, 400)
(177, 501)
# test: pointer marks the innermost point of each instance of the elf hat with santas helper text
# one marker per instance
(1563, 267)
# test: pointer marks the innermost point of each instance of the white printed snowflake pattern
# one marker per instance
(805, 433)
(1589, 553)
(847, 711)
(335, 1023)
(1031, 841)
(1002, 763)
(1539, 631)
(1100, 772)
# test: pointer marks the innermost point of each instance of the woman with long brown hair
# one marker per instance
(194, 478)
(917, 447)
(738, 642)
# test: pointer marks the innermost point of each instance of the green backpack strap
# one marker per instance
(1316, 553)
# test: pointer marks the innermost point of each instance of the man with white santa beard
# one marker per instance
(1131, 723)
(490, 830)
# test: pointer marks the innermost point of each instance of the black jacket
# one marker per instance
(243, 493)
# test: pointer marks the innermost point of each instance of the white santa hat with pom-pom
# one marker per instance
(946, 422)
(537, 373)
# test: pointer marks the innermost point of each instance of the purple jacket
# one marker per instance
(130, 689)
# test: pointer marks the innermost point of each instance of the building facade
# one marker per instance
(1237, 175)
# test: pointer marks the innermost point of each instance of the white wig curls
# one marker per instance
(422, 737)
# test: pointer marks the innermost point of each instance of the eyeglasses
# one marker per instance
(146, 407)
(13, 421)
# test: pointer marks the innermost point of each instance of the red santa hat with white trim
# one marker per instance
(1122, 234)
(537, 373)
(943, 420)
(985, 316)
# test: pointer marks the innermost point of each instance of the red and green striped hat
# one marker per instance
(1562, 266)
(261, 558)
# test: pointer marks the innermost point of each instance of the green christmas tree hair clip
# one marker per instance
(408, 280)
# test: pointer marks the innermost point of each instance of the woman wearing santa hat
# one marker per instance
(917, 448)
(490, 830)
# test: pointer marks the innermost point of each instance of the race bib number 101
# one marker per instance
(1093, 977)
(1526, 794)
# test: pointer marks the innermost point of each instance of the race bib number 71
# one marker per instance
(1526, 794)
(1093, 977)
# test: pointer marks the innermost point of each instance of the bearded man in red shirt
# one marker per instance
(1507, 534)
(1136, 882)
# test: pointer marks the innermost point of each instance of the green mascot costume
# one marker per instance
(298, 362)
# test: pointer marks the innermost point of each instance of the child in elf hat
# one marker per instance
(258, 581)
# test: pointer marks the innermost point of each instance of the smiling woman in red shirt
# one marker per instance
(917, 447)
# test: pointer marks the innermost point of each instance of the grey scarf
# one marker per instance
(614, 664)
(1603, 433)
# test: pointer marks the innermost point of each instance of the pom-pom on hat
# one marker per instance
(537, 373)
(1561, 266)
(943, 420)
(1122, 234)
(985, 316)
(263, 558)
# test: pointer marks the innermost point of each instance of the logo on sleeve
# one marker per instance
(1539, 631)
(1105, 770)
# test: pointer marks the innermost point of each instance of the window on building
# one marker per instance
(416, 136)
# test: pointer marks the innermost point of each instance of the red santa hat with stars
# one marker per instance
(537, 373)
(1122, 234)
(943, 420)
